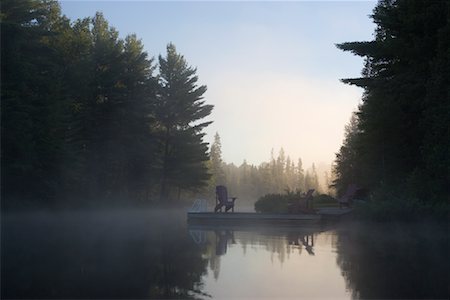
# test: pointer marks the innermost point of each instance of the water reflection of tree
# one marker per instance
(394, 261)
(99, 255)
(178, 267)
(280, 244)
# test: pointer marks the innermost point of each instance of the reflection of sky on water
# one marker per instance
(272, 267)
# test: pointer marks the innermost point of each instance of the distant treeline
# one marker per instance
(249, 182)
(87, 115)
(397, 143)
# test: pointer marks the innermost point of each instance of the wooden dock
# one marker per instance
(323, 214)
(333, 213)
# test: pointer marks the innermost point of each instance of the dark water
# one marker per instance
(154, 254)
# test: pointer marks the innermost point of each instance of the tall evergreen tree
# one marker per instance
(300, 175)
(403, 120)
(314, 179)
(346, 168)
(179, 111)
(280, 177)
(76, 106)
(218, 175)
(31, 106)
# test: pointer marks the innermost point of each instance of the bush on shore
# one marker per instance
(274, 203)
(278, 203)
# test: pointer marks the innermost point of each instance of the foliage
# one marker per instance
(85, 117)
(397, 140)
(179, 107)
(249, 182)
(216, 162)
(277, 203)
(386, 207)
(272, 203)
(324, 200)
(31, 99)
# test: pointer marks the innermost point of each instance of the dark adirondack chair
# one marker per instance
(346, 199)
(303, 205)
(222, 199)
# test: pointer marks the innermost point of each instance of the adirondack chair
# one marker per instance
(346, 199)
(303, 204)
(222, 199)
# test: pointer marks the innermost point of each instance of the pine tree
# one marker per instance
(179, 110)
(300, 176)
(405, 105)
(345, 167)
(280, 178)
(314, 179)
(32, 106)
(218, 175)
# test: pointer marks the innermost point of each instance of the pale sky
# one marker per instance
(272, 68)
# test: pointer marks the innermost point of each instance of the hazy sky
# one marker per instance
(272, 68)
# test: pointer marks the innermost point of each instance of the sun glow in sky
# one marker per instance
(272, 68)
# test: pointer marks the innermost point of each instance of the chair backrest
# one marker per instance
(221, 193)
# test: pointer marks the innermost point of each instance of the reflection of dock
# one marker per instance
(224, 235)
(260, 228)
(247, 218)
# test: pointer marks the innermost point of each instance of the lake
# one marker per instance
(137, 254)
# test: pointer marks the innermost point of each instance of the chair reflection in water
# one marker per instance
(222, 238)
(307, 240)
(222, 199)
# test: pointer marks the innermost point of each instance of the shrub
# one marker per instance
(324, 200)
(272, 203)
(278, 203)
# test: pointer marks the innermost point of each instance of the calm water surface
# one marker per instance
(154, 254)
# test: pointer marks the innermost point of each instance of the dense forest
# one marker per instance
(88, 115)
(397, 142)
(278, 175)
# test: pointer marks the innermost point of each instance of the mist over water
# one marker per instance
(155, 254)
(110, 138)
